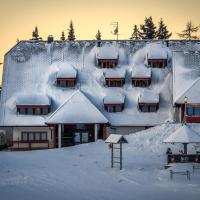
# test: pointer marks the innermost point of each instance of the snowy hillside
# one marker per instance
(83, 172)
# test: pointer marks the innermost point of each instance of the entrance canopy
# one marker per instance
(78, 109)
(183, 135)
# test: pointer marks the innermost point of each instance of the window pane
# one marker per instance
(110, 109)
(44, 111)
(152, 108)
(22, 111)
(37, 111)
(190, 110)
(44, 136)
(30, 136)
(144, 108)
(37, 136)
(63, 83)
(30, 111)
(118, 108)
(24, 136)
(197, 111)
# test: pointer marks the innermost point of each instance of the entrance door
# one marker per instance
(81, 137)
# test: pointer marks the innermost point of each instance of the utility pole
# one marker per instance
(116, 29)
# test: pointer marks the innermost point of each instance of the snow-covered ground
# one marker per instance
(83, 172)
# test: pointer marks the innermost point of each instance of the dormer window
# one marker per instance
(66, 77)
(107, 57)
(115, 78)
(148, 101)
(33, 105)
(141, 77)
(114, 103)
(157, 57)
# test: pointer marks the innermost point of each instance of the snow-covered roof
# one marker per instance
(148, 96)
(77, 109)
(115, 73)
(107, 52)
(141, 72)
(114, 99)
(183, 135)
(31, 67)
(192, 92)
(67, 72)
(157, 52)
(186, 81)
(115, 139)
(33, 100)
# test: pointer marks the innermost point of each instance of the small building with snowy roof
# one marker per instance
(66, 76)
(157, 56)
(107, 56)
(115, 77)
(141, 76)
(114, 102)
(148, 101)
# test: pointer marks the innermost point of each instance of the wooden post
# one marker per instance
(95, 132)
(185, 148)
(111, 155)
(59, 136)
(120, 155)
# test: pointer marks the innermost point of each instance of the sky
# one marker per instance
(19, 17)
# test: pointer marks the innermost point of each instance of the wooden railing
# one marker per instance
(183, 158)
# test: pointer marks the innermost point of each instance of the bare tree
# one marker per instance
(189, 32)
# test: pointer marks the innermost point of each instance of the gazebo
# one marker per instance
(184, 135)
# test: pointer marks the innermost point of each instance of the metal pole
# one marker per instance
(120, 155)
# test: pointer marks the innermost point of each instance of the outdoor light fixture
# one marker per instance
(185, 100)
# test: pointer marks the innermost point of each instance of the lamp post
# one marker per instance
(185, 100)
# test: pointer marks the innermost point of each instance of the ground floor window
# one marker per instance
(34, 136)
(193, 111)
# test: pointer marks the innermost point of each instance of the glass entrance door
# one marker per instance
(81, 137)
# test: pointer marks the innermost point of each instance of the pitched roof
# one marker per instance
(115, 73)
(141, 72)
(192, 92)
(66, 72)
(29, 100)
(183, 135)
(114, 99)
(107, 52)
(148, 96)
(77, 109)
(157, 52)
(115, 139)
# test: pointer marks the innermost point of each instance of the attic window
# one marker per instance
(114, 103)
(33, 110)
(66, 82)
(33, 105)
(157, 63)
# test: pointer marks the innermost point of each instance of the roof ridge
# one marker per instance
(62, 104)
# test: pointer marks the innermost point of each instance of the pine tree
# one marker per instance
(148, 29)
(62, 36)
(136, 33)
(35, 34)
(189, 32)
(71, 35)
(162, 32)
(98, 35)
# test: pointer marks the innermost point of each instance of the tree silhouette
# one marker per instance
(162, 32)
(189, 32)
(71, 34)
